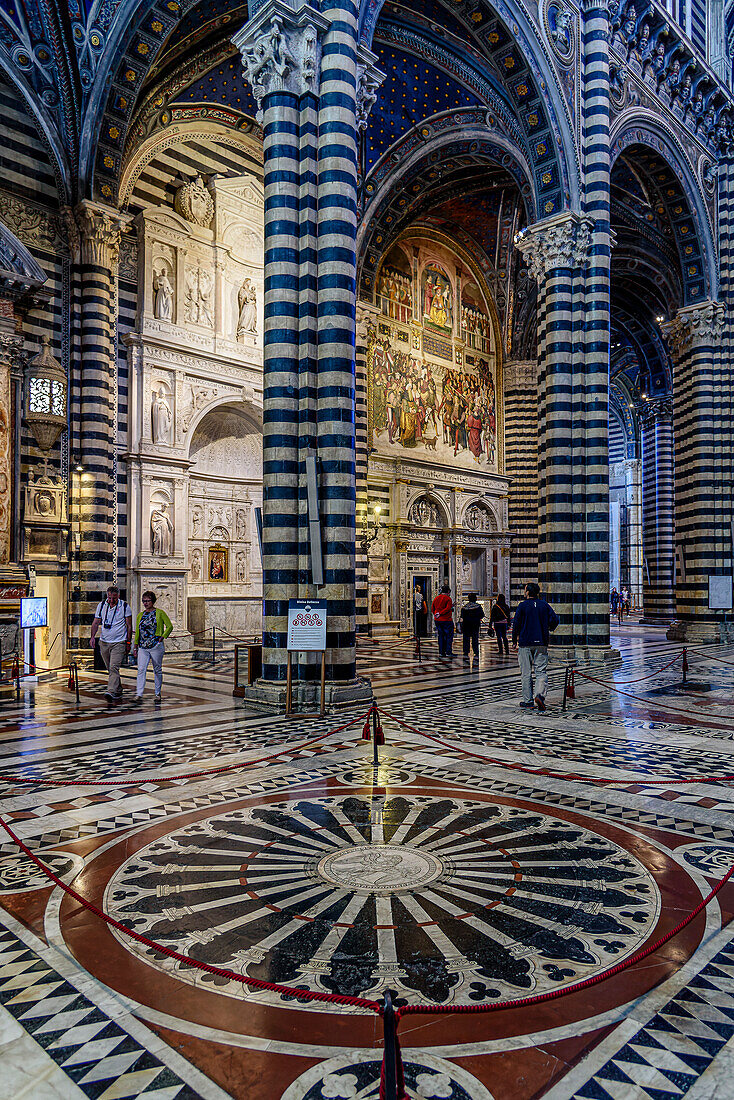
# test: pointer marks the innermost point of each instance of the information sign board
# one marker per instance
(306, 624)
(719, 593)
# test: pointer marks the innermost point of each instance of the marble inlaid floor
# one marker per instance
(485, 859)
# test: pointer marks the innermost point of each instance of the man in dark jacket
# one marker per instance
(471, 617)
(533, 622)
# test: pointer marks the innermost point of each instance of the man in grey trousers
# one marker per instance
(531, 627)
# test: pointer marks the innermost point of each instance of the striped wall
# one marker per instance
(29, 207)
(521, 464)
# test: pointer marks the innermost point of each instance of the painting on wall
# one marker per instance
(447, 414)
(218, 570)
(438, 298)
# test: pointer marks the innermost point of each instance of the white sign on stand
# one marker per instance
(720, 593)
(306, 625)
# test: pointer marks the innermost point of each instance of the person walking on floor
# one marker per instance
(470, 621)
(116, 620)
(533, 622)
(152, 627)
(499, 621)
(443, 616)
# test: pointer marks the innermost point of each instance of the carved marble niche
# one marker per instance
(200, 271)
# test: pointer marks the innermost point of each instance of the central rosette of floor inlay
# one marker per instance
(380, 868)
(441, 898)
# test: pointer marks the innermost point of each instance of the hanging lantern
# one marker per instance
(45, 407)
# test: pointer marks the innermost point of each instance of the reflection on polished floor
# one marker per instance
(494, 854)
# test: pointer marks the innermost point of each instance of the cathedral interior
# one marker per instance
(308, 312)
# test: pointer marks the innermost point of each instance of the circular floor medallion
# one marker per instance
(19, 873)
(357, 1075)
(712, 859)
(441, 899)
(379, 868)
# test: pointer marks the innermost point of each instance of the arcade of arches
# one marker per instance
(445, 287)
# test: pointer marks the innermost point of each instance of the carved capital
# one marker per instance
(558, 242)
(366, 314)
(519, 374)
(656, 410)
(369, 79)
(281, 50)
(100, 229)
(702, 323)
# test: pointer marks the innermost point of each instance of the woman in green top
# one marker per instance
(151, 627)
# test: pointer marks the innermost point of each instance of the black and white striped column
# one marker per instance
(521, 464)
(702, 435)
(557, 252)
(100, 228)
(658, 518)
(304, 72)
(590, 446)
(366, 312)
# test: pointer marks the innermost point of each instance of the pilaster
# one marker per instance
(703, 478)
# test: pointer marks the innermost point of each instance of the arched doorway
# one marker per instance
(225, 488)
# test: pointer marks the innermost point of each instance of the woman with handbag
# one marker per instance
(499, 621)
(151, 629)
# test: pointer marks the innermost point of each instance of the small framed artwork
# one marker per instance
(376, 603)
(218, 564)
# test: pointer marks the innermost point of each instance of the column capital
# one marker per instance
(281, 49)
(561, 241)
(366, 316)
(100, 228)
(655, 410)
(369, 79)
(701, 323)
(517, 372)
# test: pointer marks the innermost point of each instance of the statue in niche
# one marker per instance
(241, 567)
(163, 298)
(466, 573)
(198, 299)
(205, 298)
(196, 565)
(247, 301)
(161, 417)
(196, 522)
(161, 531)
(241, 526)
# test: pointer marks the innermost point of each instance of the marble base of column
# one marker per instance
(712, 632)
(566, 653)
(269, 695)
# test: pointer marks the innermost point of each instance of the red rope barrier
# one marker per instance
(647, 676)
(586, 983)
(231, 975)
(650, 703)
(547, 773)
(130, 782)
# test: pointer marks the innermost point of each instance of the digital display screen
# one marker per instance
(33, 612)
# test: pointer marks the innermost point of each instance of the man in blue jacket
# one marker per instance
(533, 622)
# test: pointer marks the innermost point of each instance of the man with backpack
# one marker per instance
(531, 627)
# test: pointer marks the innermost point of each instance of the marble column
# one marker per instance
(633, 497)
(521, 464)
(366, 313)
(702, 447)
(570, 426)
(100, 228)
(311, 82)
(658, 521)
(11, 351)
